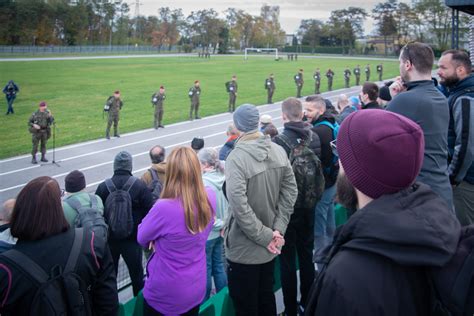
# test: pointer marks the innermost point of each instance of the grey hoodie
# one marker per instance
(261, 189)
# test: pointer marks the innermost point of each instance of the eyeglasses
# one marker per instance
(334, 147)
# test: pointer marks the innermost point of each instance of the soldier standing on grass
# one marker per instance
(231, 87)
(380, 71)
(270, 86)
(157, 101)
(367, 72)
(317, 81)
(194, 94)
(299, 83)
(357, 74)
(114, 104)
(347, 76)
(40, 129)
(330, 76)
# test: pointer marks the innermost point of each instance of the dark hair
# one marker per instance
(271, 130)
(293, 109)
(459, 58)
(420, 55)
(38, 212)
(371, 89)
(157, 158)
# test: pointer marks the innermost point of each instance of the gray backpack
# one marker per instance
(88, 216)
(118, 209)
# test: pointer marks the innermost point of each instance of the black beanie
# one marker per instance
(197, 143)
(75, 181)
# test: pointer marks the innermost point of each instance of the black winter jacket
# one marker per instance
(326, 136)
(378, 257)
(94, 266)
(299, 130)
(142, 200)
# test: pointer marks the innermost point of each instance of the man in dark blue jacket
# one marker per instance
(416, 97)
(454, 70)
(10, 90)
(377, 263)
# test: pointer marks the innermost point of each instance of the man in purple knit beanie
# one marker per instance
(400, 227)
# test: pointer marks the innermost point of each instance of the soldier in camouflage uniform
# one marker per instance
(347, 77)
(299, 83)
(380, 71)
(157, 101)
(231, 87)
(330, 76)
(115, 105)
(317, 81)
(194, 94)
(270, 86)
(357, 74)
(367, 72)
(40, 129)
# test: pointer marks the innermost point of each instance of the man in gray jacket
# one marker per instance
(261, 190)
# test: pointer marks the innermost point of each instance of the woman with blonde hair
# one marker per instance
(177, 228)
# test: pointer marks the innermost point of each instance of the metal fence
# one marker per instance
(88, 49)
(123, 277)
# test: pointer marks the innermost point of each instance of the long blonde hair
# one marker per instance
(183, 181)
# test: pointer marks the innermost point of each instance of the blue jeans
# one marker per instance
(324, 221)
(215, 265)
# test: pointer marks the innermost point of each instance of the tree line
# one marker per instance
(98, 22)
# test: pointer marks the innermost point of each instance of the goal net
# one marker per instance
(261, 51)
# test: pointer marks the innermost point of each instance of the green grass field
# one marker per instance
(76, 90)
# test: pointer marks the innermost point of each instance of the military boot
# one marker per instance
(43, 158)
(33, 160)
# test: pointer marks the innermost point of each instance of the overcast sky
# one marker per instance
(291, 11)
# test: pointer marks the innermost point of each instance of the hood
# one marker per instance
(411, 227)
(326, 116)
(214, 178)
(300, 129)
(256, 145)
(463, 84)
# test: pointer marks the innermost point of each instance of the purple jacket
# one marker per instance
(176, 272)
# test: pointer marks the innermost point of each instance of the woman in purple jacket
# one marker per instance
(177, 228)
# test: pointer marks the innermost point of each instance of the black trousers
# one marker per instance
(132, 254)
(251, 288)
(299, 238)
(150, 311)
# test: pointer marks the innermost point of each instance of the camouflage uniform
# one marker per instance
(270, 86)
(116, 105)
(330, 76)
(44, 120)
(317, 82)
(367, 73)
(194, 95)
(380, 71)
(347, 77)
(157, 101)
(299, 83)
(232, 90)
(357, 75)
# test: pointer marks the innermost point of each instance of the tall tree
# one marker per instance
(384, 14)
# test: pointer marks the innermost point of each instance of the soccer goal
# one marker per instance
(261, 51)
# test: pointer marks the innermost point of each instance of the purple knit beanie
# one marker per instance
(381, 152)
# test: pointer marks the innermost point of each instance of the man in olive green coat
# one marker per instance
(367, 72)
(357, 74)
(347, 77)
(40, 129)
(317, 81)
(270, 87)
(299, 81)
(194, 94)
(231, 87)
(380, 71)
(114, 104)
(157, 101)
(330, 76)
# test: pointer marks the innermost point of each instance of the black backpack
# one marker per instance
(155, 185)
(60, 291)
(118, 209)
(308, 172)
(88, 216)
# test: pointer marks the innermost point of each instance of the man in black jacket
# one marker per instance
(299, 236)
(377, 264)
(142, 201)
(368, 96)
(325, 126)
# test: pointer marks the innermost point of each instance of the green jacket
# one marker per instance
(84, 198)
(261, 189)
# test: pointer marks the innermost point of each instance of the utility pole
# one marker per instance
(137, 13)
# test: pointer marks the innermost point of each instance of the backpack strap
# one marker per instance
(75, 250)
(93, 199)
(27, 264)
(154, 176)
(74, 203)
(110, 185)
(330, 125)
(127, 186)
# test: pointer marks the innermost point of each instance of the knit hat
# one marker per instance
(384, 93)
(354, 101)
(75, 181)
(381, 152)
(123, 161)
(265, 119)
(246, 118)
(197, 143)
(42, 104)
